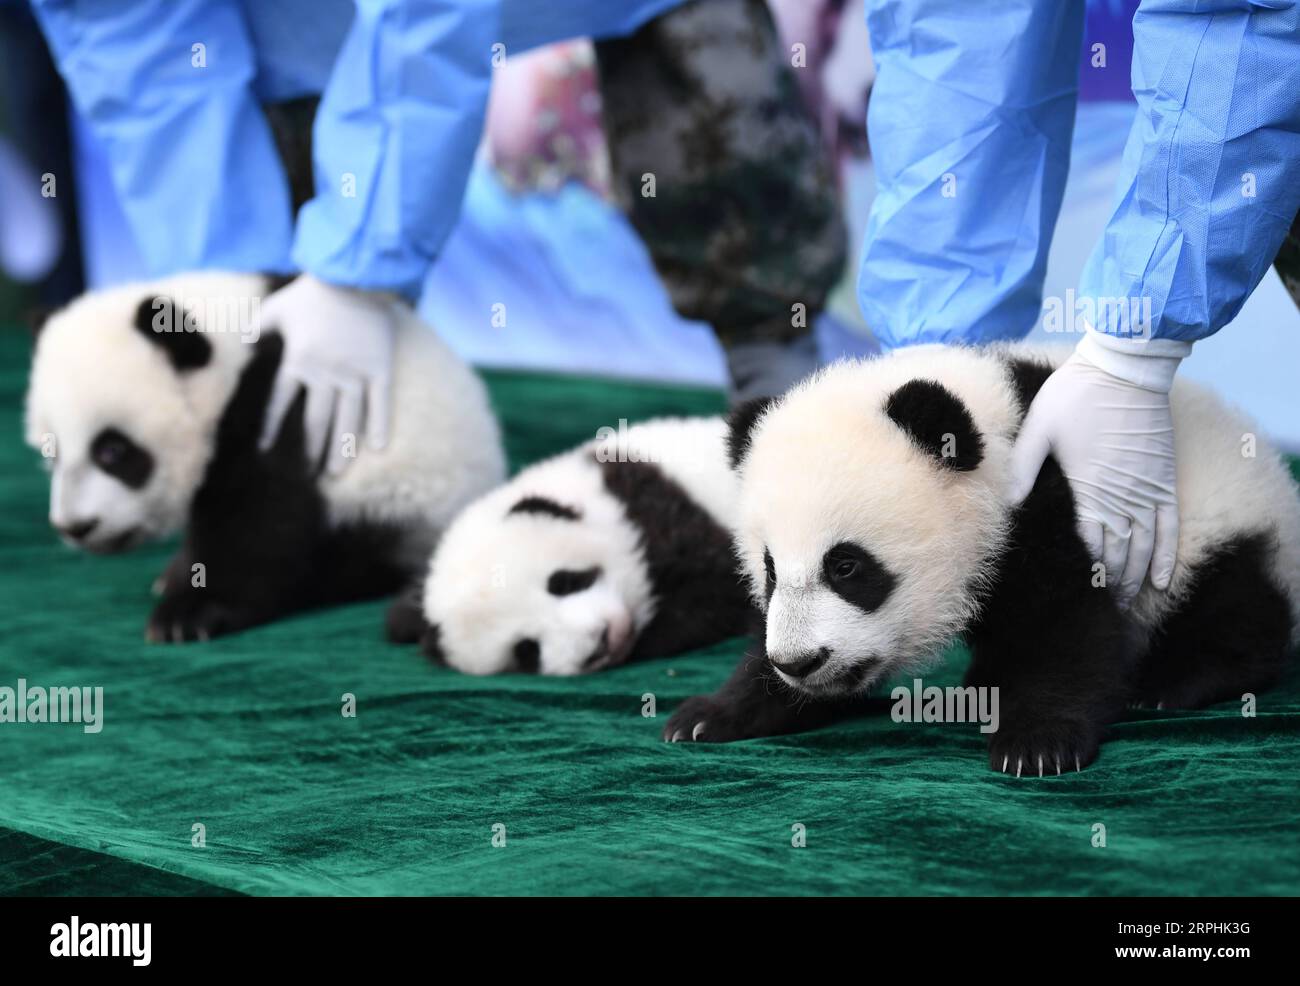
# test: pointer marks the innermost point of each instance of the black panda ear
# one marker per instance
(173, 330)
(936, 420)
(431, 645)
(740, 422)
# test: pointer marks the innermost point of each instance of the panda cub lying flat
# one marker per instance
(874, 526)
(617, 550)
(146, 431)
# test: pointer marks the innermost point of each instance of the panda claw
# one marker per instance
(677, 737)
(1005, 760)
(1160, 706)
(1058, 766)
(698, 730)
(1078, 768)
(1040, 765)
(1020, 762)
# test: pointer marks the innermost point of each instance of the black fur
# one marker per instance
(857, 576)
(1231, 635)
(1027, 377)
(755, 702)
(431, 645)
(173, 330)
(115, 453)
(258, 526)
(1056, 645)
(740, 422)
(565, 581)
(935, 417)
(546, 507)
(686, 552)
(404, 622)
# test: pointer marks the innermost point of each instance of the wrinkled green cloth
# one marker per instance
(244, 736)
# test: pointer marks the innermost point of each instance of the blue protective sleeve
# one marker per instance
(190, 151)
(401, 120)
(1210, 179)
(970, 123)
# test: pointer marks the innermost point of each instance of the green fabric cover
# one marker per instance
(245, 736)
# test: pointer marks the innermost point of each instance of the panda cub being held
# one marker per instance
(875, 525)
(617, 550)
(148, 401)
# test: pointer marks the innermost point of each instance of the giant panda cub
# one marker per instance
(617, 550)
(147, 430)
(874, 526)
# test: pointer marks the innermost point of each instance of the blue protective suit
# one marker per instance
(173, 89)
(970, 123)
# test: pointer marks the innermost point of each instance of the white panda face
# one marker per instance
(104, 497)
(546, 582)
(862, 546)
(124, 418)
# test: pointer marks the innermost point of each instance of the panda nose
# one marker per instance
(77, 530)
(802, 665)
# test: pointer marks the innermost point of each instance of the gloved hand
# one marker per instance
(338, 344)
(1105, 415)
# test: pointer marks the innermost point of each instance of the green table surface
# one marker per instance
(245, 736)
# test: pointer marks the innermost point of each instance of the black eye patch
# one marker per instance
(857, 576)
(769, 569)
(121, 458)
(528, 656)
(565, 582)
(545, 506)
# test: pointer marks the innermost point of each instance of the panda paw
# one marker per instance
(1043, 750)
(703, 719)
(192, 616)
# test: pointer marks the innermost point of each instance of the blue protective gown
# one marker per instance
(970, 123)
(173, 90)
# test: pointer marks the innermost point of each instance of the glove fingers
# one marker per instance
(1166, 546)
(347, 425)
(316, 422)
(1141, 543)
(377, 409)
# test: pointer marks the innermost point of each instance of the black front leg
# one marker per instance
(255, 525)
(755, 702)
(1053, 642)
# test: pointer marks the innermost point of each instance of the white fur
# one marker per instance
(93, 369)
(826, 465)
(486, 588)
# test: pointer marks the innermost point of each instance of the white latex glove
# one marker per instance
(1105, 416)
(338, 344)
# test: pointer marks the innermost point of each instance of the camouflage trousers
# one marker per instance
(718, 163)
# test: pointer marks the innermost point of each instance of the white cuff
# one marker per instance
(1146, 363)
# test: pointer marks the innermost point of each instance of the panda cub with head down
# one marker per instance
(617, 550)
(147, 402)
(875, 525)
